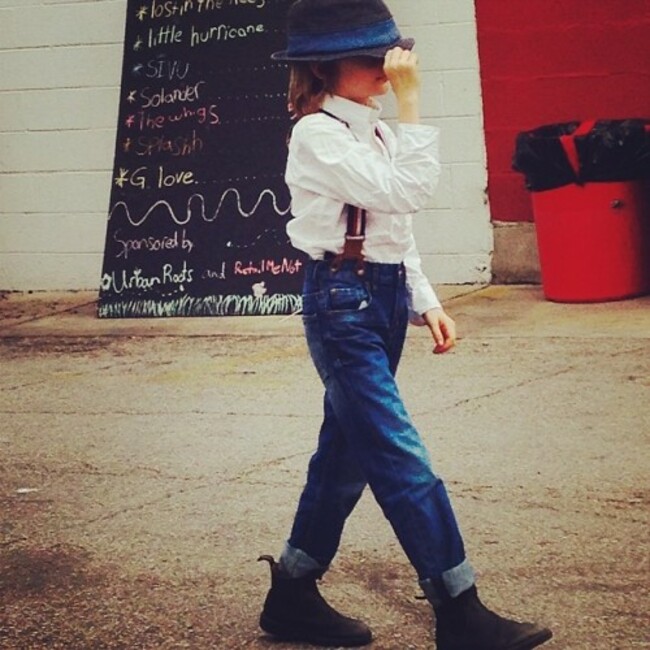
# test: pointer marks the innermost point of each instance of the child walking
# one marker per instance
(355, 185)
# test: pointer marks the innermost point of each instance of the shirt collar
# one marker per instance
(358, 116)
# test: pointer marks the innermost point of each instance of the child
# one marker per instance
(362, 283)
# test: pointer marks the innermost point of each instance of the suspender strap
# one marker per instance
(354, 238)
(355, 233)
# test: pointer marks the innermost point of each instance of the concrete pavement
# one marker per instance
(147, 463)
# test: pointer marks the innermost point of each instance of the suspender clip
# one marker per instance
(354, 238)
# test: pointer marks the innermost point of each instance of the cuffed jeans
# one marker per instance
(355, 328)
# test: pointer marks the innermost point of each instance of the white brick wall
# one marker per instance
(455, 235)
(59, 93)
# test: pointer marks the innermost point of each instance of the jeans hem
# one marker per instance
(297, 563)
(451, 584)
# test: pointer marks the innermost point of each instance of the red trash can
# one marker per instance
(590, 185)
(594, 240)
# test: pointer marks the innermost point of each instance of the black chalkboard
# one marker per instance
(198, 204)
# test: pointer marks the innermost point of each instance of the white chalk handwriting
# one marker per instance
(177, 241)
(223, 33)
(186, 94)
(161, 9)
(214, 274)
(139, 178)
(119, 282)
(163, 69)
(165, 35)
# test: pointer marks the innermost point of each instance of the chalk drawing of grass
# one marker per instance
(269, 305)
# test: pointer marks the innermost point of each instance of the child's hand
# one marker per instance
(401, 70)
(443, 329)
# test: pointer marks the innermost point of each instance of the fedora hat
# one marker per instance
(325, 30)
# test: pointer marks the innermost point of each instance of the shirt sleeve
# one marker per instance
(421, 295)
(325, 158)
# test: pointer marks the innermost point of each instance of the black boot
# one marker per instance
(294, 610)
(464, 623)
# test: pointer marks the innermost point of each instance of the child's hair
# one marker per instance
(309, 83)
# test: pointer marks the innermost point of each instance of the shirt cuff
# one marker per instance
(418, 129)
(423, 299)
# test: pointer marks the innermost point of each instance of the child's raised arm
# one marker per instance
(401, 69)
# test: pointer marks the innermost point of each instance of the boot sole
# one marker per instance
(528, 643)
(533, 641)
(280, 631)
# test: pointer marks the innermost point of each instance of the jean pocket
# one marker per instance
(348, 299)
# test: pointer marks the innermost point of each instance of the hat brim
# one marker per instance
(376, 52)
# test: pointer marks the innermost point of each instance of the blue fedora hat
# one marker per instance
(325, 30)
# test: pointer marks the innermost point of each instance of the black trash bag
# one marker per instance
(615, 150)
(540, 156)
(612, 150)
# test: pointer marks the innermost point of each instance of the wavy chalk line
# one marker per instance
(200, 199)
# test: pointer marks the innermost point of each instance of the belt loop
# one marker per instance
(314, 268)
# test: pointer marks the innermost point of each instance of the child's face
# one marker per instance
(360, 78)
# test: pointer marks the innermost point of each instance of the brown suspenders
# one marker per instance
(356, 228)
(354, 238)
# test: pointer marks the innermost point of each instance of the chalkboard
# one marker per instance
(198, 203)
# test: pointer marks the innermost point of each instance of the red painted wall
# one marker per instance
(549, 61)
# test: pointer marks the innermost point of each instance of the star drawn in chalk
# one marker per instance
(137, 69)
(121, 179)
(131, 97)
(142, 13)
(138, 44)
(130, 121)
(127, 145)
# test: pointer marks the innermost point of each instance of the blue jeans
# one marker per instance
(355, 328)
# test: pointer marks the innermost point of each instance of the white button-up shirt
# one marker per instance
(392, 176)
